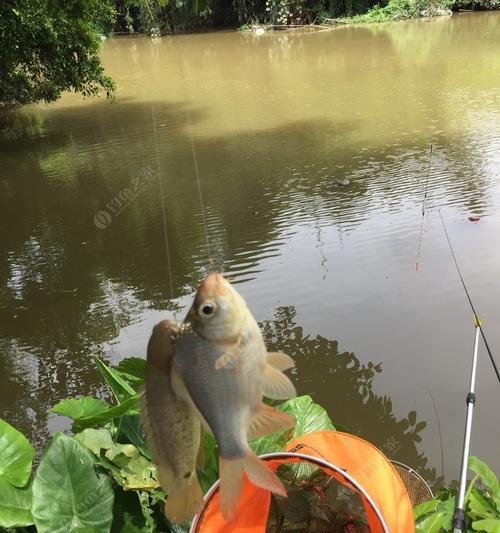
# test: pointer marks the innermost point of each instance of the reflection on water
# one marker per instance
(312, 154)
(344, 386)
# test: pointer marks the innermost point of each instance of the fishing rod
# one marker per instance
(458, 521)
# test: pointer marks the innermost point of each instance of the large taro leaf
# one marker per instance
(309, 416)
(16, 455)
(80, 407)
(68, 495)
(127, 407)
(15, 505)
(274, 442)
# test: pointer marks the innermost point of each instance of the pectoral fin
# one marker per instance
(228, 360)
(279, 360)
(276, 385)
(268, 420)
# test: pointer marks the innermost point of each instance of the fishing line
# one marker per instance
(163, 212)
(424, 205)
(200, 193)
(439, 429)
(476, 318)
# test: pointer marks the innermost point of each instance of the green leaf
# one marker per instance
(430, 524)
(480, 506)
(208, 473)
(121, 389)
(487, 476)
(16, 455)
(490, 525)
(128, 406)
(95, 440)
(68, 494)
(129, 468)
(425, 508)
(274, 442)
(131, 429)
(80, 407)
(309, 416)
(127, 514)
(134, 368)
(15, 505)
(447, 508)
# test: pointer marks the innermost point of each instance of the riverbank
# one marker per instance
(402, 10)
(280, 14)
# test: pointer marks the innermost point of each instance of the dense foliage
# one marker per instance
(153, 16)
(102, 479)
(52, 46)
(482, 504)
(404, 9)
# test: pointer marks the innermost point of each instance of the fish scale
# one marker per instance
(222, 396)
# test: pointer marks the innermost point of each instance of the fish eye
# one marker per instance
(207, 309)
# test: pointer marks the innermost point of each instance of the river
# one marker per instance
(299, 162)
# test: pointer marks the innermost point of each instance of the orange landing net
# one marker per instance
(351, 461)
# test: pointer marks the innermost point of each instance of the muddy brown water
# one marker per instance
(312, 153)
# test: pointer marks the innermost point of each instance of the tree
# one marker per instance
(50, 46)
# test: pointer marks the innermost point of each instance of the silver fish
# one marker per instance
(222, 367)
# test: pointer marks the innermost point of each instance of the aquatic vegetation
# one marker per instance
(105, 467)
(482, 504)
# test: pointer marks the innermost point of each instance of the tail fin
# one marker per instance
(183, 500)
(231, 480)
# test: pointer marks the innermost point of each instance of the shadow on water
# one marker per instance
(68, 284)
(342, 384)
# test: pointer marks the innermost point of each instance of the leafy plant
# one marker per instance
(482, 504)
(50, 47)
(101, 478)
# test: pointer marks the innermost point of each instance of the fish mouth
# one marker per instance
(185, 327)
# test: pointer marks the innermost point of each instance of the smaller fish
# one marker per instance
(222, 367)
(172, 428)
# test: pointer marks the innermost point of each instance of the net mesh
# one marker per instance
(316, 502)
(418, 490)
